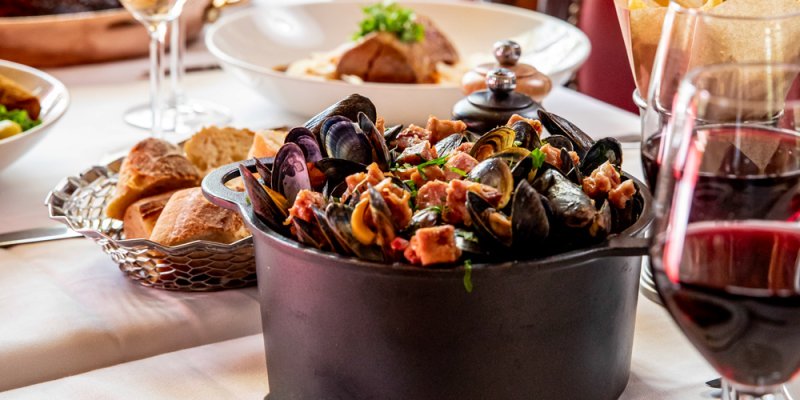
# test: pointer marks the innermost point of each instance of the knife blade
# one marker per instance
(36, 235)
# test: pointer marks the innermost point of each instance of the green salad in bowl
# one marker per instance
(19, 108)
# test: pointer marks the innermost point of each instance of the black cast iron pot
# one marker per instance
(340, 328)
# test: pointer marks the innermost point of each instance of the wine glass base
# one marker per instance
(187, 118)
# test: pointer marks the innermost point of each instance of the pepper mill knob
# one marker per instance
(507, 52)
(501, 80)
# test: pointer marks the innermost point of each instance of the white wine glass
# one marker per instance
(154, 15)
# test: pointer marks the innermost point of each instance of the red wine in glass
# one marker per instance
(734, 292)
(747, 172)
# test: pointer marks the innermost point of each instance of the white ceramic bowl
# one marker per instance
(251, 43)
(53, 97)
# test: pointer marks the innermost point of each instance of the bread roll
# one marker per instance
(214, 147)
(141, 216)
(266, 144)
(152, 167)
(188, 216)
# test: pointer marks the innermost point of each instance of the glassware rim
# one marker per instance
(692, 76)
(678, 8)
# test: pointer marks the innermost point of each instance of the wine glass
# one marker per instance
(154, 14)
(726, 248)
(187, 114)
(697, 33)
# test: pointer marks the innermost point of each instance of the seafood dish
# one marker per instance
(440, 195)
(19, 108)
(392, 45)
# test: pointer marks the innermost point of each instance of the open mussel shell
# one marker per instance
(336, 170)
(447, 145)
(568, 167)
(621, 218)
(606, 149)
(380, 153)
(557, 125)
(332, 238)
(494, 172)
(526, 136)
(487, 222)
(492, 142)
(349, 107)
(339, 217)
(265, 172)
(290, 172)
(265, 206)
(307, 142)
(425, 218)
(325, 126)
(309, 234)
(346, 141)
(384, 223)
(560, 142)
(529, 221)
(390, 134)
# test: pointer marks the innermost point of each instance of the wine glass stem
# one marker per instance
(176, 57)
(734, 392)
(157, 74)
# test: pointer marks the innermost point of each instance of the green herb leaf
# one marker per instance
(20, 117)
(435, 161)
(517, 143)
(467, 235)
(538, 158)
(468, 275)
(458, 171)
(436, 209)
(390, 17)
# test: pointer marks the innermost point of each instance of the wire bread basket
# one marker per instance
(79, 201)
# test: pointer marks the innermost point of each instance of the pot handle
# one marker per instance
(615, 247)
(217, 193)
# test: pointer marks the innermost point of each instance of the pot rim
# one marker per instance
(572, 258)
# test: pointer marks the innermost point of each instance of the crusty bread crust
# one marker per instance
(188, 216)
(141, 216)
(152, 167)
(266, 143)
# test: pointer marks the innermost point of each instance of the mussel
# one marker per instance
(492, 142)
(290, 172)
(525, 136)
(447, 145)
(572, 210)
(349, 107)
(494, 172)
(557, 125)
(524, 230)
(606, 149)
(307, 142)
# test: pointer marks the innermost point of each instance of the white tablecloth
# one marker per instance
(66, 309)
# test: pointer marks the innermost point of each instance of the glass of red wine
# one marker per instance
(696, 33)
(726, 248)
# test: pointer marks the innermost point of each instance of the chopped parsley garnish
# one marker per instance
(435, 161)
(468, 275)
(538, 158)
(436, 209)
(20, 117)
(458, 171)
(467, 235)
(390, 17)
(517, 143)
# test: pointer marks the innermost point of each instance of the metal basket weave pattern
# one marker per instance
(79, 202)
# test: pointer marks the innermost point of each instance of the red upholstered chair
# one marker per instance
(606, 75)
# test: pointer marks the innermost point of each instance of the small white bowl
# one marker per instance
(53, 97)
(252, 42)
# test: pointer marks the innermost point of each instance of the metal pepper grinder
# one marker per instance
(507, 53)
(487, 109)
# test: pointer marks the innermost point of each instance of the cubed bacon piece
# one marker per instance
(442, 128)
(373, 176)
(436, 245)
(552, 155)
(535, 124)
(417, 153)
(462, 162)
(431, 194)
(428, 173)
(620, 195)
(411, 136)
(410, 253)
(302, 205)
(463, 148)
(601, 181)
(380, 124)
(399, 244)
(575, 158)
